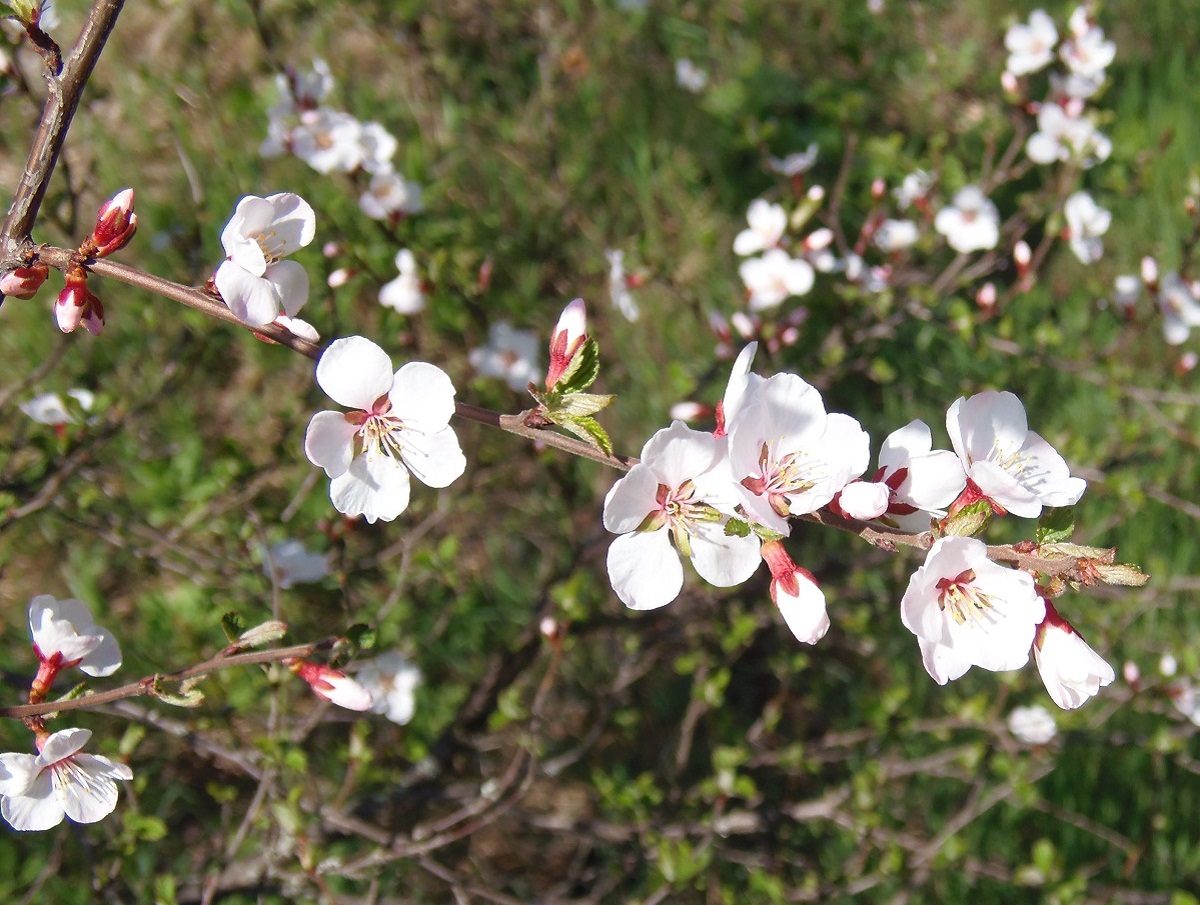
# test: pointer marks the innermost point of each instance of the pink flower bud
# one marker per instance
(115, 225)
(339, 277)
(569, 336)
(795, 592)
(1008, 82)
(76, 304)
(24, 282)
(816, 193)
(985, 298)
(1150, 273)
(332, 685)
(1071, 670)
(818, 239)
(690, 411)
(1022, 255)
(878, 189)
(331, 249)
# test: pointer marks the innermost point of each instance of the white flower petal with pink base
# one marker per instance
(377, 488)
(253, 299)
(1071, 670)
(329, 442)
(644, 569)
(354, 372)
(630, 499)
(724, 560)
(805, 613)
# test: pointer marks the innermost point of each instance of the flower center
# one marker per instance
(379, 431)
(274, 248)
(793, 473)
(965, 602)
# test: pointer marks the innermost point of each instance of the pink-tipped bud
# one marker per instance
(1131, 672)
(24, 282)
(569, 335)
(339, 277)
(878, 189)
(745, 324)
(115, 225)
(1187, 363)
(552, 630)
(332, 685)
(796, 593)
(1009, 83)
(331, 249)
(690, 411)
(985, 298)
(1150, 273)
(815, 194)
(77, 305)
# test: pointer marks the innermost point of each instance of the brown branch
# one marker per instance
(146, 684)
(65, 91)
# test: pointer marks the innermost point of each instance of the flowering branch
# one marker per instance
(148, 684)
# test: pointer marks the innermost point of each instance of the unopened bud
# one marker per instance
(1150, 273)
(331, 249)
(332, 685)
(1190, 205)
(1131, 672)
(878, 189)
(339, 277)
(818, 239)
(568, 337)
(552, 630)
(1187, 363)
(1010, 85)
(77, 305)
(24, 282)
(116, 224)
(816, 193)
(690, 411)
(1022, 255)
(985, 298)
(744, 324)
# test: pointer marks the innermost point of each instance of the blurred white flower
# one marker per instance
(49, 408)
(913, 188)
(1086, 223)
(1168, 665)
(511, 355)
(618, 286)
(1177, 299)
(896, 235)
(689, 76)
(392, 682)
(404, 293)
(767, 224)
(774, 277)
(1063, 137)
(294, 564)
(971, 223)
(378, 148)
(1032, 725)
(1031, 47)
(329, 141)
(389, 194)
(1086, 52)
(795, 163)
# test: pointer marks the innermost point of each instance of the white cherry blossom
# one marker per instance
(968, 611)
(1063, 137)
(789, 456)
(329, 141)
(774, 277)
(65, 635)
(404, 293)
(292, 563)
(912, 189)
(971, 223)
(1010, 465)
(511, 355)
(768, 223)
(912, 484)
(398, 423)
(51, 409)
(1071, 670)
(1031, 46)
(378, 148)
(255, 282)
(689, 76)
(1032, 725)
(390, 194)
(1086, 52)
(392, 681)
(675, 502)
(38, 791)
(1179, 303)
(896, 235)
(1086, 223)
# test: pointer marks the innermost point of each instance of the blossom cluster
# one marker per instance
(1066, 130)
(333, 141)
(725, 500)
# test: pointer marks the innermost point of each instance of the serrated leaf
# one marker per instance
(1055, 525)
(582, 370)
(579, 405)
(589, 431)
(968, 521)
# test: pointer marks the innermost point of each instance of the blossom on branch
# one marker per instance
(254, 280)
(1072, 671)
(774, 277)
(968, 611)
(511, 355)
(49, 408)
(65, 635)
(399, 423)
(1086, 223)
(768, 223)
(1017, 470)
(1031, 47)
(675, 502)
(796, 593)
(392, 681)
(332, 685)
(38, 791)
(404, 294)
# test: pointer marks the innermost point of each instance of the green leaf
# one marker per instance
(583, 370)
(233, 626)
(588, 430)
(577, 405)
(1055, 525)
(736, 528)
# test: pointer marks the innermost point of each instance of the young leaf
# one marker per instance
(1055, 525)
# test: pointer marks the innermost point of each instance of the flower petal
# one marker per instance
(329, 442)
(354, 372)
(252, 299)
(644, 569)
(291, 285)
(435, 459)
(375, 487)
(422, 396)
